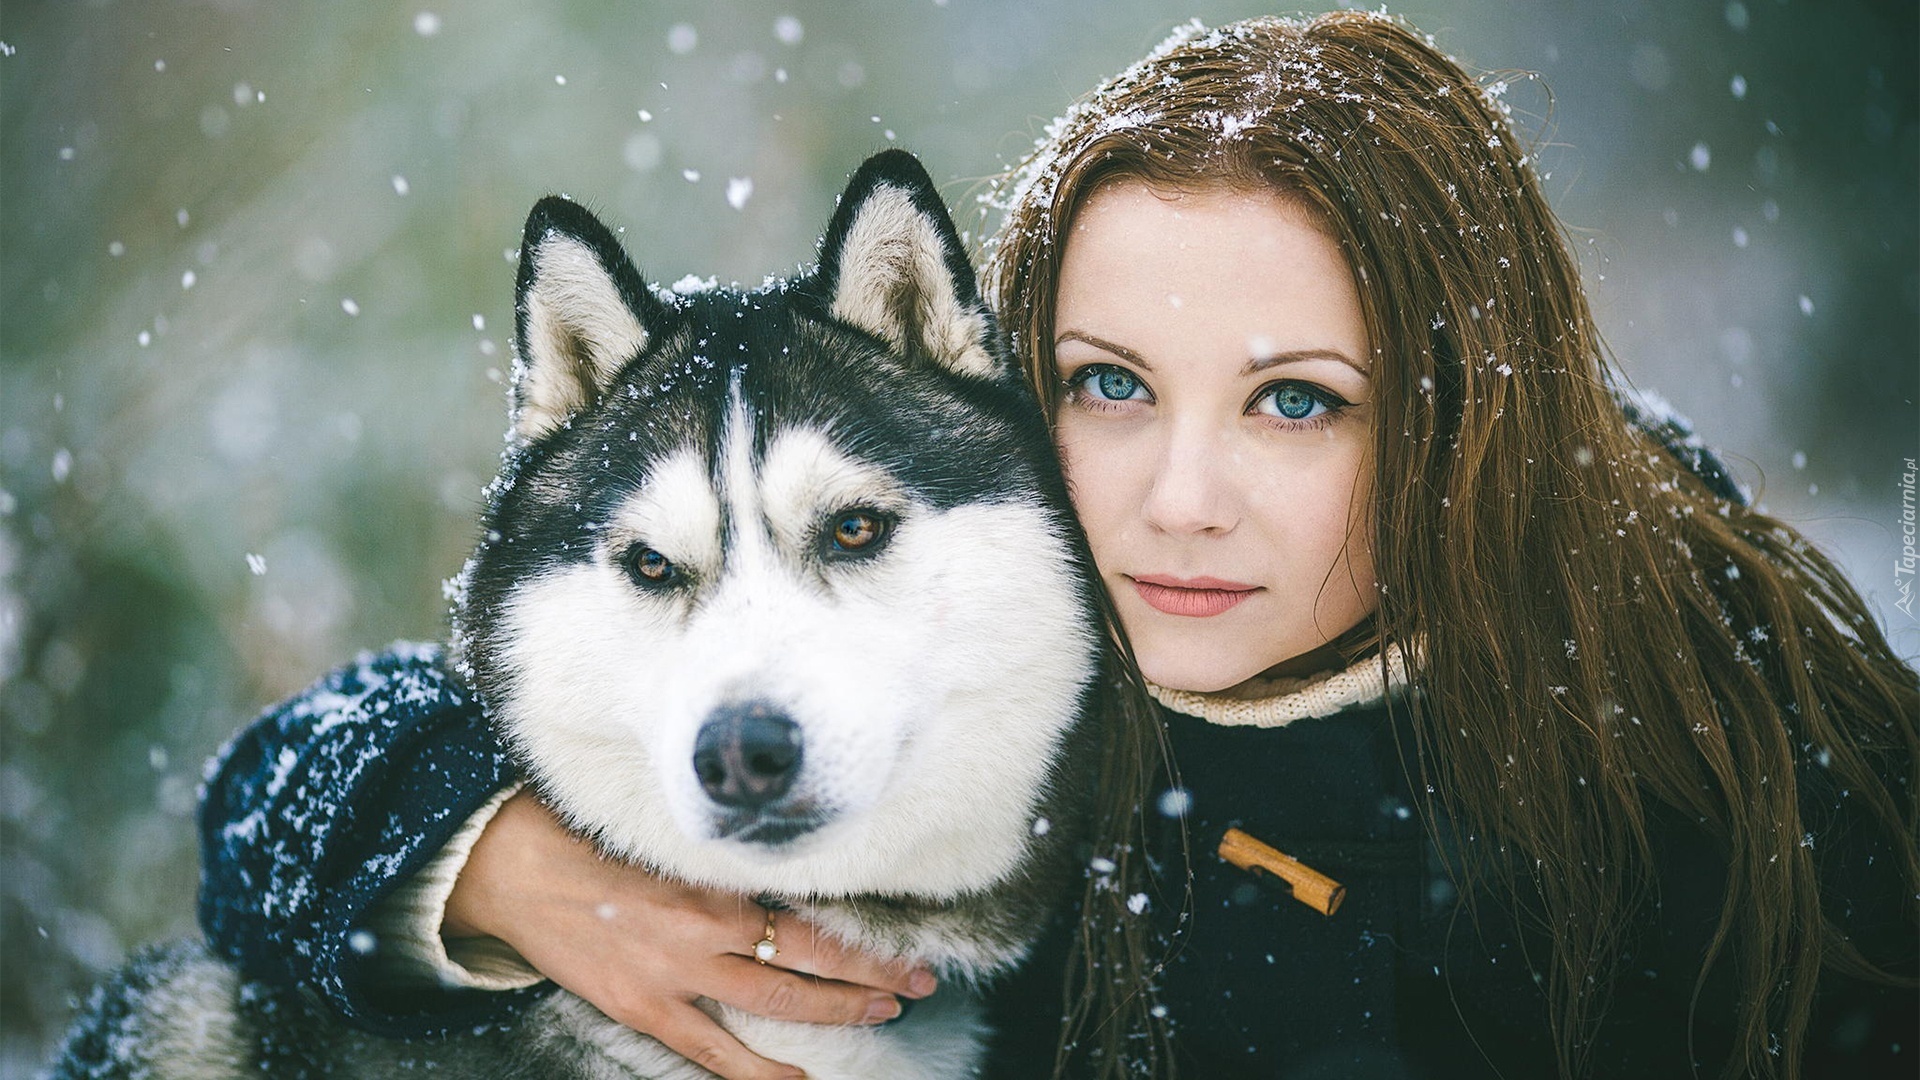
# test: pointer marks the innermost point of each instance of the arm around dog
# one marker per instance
(322, 808)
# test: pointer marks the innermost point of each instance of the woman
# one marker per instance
(1617, 771)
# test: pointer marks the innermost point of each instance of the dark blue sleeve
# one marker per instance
(320, 808)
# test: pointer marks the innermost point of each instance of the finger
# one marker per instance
(783, 995)
(693, 1035)
(805, 948)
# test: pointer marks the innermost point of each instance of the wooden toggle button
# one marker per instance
(1309, 886)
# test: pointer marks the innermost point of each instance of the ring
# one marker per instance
(765, 950)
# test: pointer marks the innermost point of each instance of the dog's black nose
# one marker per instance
(747, 754)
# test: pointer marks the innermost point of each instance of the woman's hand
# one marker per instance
(641, 948)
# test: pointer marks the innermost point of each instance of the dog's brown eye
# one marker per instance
(650, 567)
(857, 531)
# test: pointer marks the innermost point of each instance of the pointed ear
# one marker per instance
(892, 265)
(581, 311)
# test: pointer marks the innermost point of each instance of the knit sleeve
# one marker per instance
(318, 810)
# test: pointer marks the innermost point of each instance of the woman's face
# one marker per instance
(1216, 428)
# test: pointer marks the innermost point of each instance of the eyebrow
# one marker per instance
(1120, 351)
(1289, 356)
(1255, 365)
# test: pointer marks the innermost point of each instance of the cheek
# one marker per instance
(1099, 476)
(1361, 522)
(1319, 509)
(1361, 511)
(1348, 529)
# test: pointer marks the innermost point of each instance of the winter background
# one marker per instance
(256, 294)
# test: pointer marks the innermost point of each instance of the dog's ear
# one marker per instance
(581, 311)
(893, 265)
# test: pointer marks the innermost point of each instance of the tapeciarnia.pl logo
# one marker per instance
(1903, 566)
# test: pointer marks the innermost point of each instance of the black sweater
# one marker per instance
(321, 807)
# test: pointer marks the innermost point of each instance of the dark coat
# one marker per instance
(321, 807)
(1405, 981)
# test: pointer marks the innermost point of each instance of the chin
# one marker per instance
(1194, 674)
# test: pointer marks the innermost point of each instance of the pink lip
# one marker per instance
(1199, 598)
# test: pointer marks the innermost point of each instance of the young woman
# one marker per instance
(1616, 771)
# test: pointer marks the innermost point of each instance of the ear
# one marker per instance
(893, 265)
(581, 311)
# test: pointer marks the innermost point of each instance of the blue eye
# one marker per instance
(1104, 382)
(1292, 401)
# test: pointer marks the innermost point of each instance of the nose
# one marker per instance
(746, 755)
(1189, 492)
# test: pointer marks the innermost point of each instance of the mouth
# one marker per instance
(769, 829)
(1197, 598)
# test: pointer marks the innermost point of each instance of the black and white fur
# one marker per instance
(932, 681)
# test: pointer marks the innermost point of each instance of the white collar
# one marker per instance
(1279, 701)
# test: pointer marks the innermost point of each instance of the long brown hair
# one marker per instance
(1598, 634)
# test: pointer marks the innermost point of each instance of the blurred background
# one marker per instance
(256, 298)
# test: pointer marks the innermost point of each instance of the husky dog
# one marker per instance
(779, 593)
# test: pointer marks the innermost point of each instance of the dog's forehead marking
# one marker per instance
(745, 533)
(675, 512)
(807, 475)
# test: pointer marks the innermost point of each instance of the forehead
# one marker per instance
(688, 508)
(1214, 268)
(737, 373)
(721, 350)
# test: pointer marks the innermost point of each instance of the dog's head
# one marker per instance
(778, 589)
